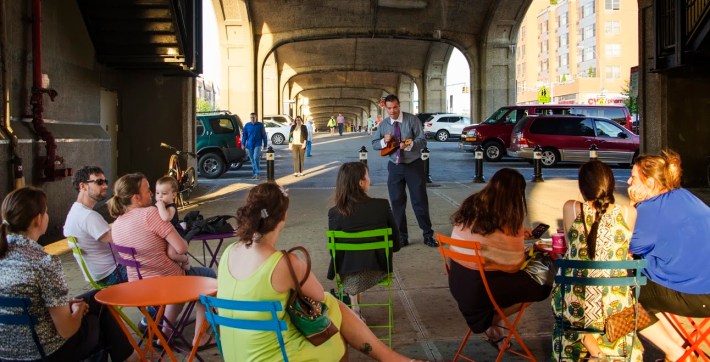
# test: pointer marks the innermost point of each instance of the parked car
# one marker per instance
(425, 115)
(443, 126)
(219, 143)
(493, 134)
(568, 139)
(279, 118)
(277, 132)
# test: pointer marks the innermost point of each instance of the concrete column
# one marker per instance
(432, 98)
(270, 77)
(406, 94)
(497, 78)
(237, 52)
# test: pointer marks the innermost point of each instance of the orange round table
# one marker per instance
(157, 291)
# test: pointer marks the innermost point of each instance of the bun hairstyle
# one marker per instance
(264, 208)
(19, 208)
(664, 168)
(123, 190)
(596, 182)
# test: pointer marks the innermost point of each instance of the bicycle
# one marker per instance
(186, 178)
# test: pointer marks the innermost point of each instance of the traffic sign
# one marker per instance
(543, 95)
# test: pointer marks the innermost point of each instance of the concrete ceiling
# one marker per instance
(345, 55)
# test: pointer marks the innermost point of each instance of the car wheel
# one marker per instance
(442, 135)
(550, 157)
(278, 139)
(493, 151)
(211, 165)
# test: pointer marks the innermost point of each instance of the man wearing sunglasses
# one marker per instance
(90, 229)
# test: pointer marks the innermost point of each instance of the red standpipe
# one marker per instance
(52, 165)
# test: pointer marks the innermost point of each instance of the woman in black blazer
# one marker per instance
(355, 211)
(297, 143)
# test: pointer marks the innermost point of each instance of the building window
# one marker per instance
(612, 4)
(588, 32)
(562, 20)
(612, 50)
(588, 9)
(588, 54)
(563, 40)
(522, 31)
(563, 60)
(613, 72)
(612, 27)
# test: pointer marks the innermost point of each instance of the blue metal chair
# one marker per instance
(274, 324)
(572, 273)
(22, 319)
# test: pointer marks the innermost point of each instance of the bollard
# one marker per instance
(270, 164)
(478, 152)
(593, 152)
(363, 155)
(425, 158)
(537, 155)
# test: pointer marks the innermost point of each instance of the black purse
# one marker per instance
(309, 316)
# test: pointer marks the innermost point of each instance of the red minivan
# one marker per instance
(569, 138)
(494, 133)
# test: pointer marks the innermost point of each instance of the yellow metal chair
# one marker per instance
(79, 256)
(377, 239)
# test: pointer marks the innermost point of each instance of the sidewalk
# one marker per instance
(428, 324)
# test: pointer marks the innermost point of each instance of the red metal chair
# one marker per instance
(474, 247)
(695, 332)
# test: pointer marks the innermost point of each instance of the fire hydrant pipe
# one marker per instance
(37, 89)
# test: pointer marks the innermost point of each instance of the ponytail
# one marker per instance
(19, 208)
(600, 208)
(664, 168)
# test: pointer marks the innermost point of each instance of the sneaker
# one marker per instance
(295, 174)
(300, 174)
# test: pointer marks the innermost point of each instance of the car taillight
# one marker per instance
(428, 124)
(238, 141)
(522, 141)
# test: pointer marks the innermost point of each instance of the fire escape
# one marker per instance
(146, 34)
(682, 34)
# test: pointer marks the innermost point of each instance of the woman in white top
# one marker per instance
(297, 143)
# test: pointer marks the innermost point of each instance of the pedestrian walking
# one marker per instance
(254, 137)
(297, 143)
(309, 139)
(341, 123)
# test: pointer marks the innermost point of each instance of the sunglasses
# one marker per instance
(100, 182)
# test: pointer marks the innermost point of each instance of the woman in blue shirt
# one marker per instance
(672, 232)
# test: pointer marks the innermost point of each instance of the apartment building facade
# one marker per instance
(580, 50)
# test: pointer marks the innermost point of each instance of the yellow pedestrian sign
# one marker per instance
(543, 95)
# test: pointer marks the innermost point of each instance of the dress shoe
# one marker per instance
(429, 241)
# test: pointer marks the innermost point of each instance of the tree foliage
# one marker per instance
(630, 101)
(204, 106)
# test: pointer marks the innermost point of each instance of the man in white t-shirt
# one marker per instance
(90, 229)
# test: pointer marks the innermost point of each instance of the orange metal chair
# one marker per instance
(474, 247)
(695, 335)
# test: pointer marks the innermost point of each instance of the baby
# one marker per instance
(165, 192)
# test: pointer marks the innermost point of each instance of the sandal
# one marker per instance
(211, 343)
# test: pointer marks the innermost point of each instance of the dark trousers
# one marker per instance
(657, 298)
(99, 330)
(340, 128)
(409, 175)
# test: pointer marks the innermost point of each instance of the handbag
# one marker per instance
(540, 267)
(307, 315)
(620, 324)
(390, 147)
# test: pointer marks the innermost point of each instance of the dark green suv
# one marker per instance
(219, 143)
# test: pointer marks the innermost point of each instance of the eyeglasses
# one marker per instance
(100, 181)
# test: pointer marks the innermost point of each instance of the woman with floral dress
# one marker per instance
(597, 229)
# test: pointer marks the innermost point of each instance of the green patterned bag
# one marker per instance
(310, 317)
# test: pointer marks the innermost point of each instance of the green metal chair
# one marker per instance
(573, 273)
(377, 239)
(79, 256)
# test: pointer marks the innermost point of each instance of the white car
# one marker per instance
(279, 118)
(277, 132)
(443, 126)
